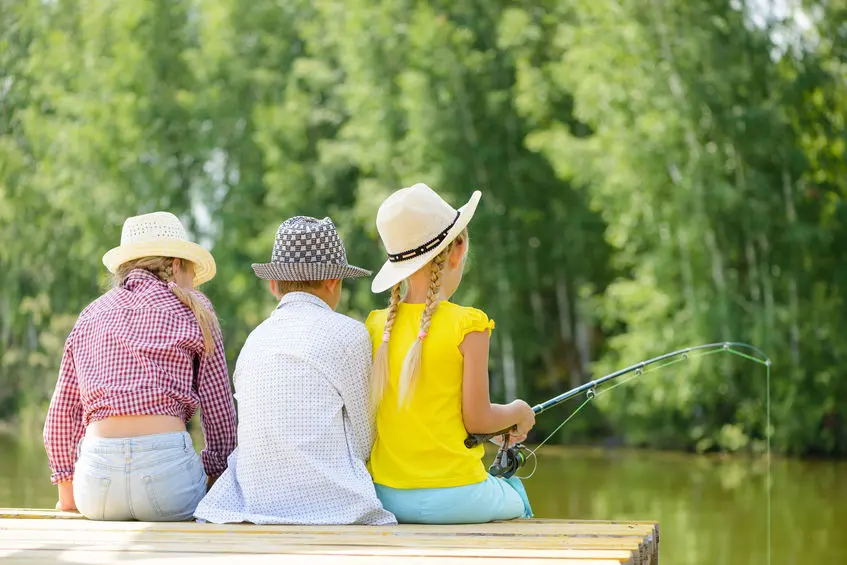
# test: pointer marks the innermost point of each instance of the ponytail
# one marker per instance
(162, 268)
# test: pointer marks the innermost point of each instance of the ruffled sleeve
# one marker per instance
(474, 320)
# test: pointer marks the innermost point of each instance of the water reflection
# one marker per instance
(711, 510)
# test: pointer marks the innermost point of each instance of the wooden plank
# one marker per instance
(517, 527)
(42, 536)
(282, 549)
(303, 536)
(512, 525)
(50, 557)
(264, 545)
(630, 543)
(495, 529)
(22, 513)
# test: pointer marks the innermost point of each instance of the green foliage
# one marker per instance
(655, 173)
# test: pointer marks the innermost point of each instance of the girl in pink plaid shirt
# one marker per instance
(137, 365)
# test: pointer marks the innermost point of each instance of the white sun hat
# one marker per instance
(415, 225)
(159, 234)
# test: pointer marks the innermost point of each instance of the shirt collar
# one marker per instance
(291, 297)
(139, 276)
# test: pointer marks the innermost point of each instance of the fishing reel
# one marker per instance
(508, 459)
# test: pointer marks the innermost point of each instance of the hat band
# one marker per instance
(428, 246)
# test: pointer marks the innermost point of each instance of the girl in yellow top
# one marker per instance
(430, 379)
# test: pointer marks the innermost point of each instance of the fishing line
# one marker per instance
(677, 357)
(534, 466)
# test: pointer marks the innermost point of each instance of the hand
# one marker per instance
(525, 418)
(66, 497)
(513, 439)
(516, 439)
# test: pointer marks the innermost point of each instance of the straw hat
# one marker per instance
(159, 234)
(415, 225)
(307, 249)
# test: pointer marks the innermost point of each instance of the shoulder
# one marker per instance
(101, 307)
(376, 320)
(204, 300)
(345, 339)
(165, 301)
(98, 304)
(466, 318)
(465, 313)
(349, 330)
(375, 324)
(88, 315)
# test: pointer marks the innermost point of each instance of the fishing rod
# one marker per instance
(511, 458)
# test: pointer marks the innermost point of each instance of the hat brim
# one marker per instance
(204, 263)
(307, 271)
(393, 273)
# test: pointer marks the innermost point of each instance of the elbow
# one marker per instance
(476, 423)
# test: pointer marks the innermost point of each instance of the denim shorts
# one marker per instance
(154, 478)
(492, 499)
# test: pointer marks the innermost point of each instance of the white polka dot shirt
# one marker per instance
(305, 430)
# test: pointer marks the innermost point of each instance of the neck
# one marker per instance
(417, 288)
(319, 293)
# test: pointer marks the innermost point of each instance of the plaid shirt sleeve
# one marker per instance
(217, 410)
(63, 428)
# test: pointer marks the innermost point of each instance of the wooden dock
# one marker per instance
(40, 536)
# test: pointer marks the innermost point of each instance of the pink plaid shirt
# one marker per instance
(133, 351)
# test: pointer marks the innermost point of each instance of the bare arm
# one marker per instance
(479, 414)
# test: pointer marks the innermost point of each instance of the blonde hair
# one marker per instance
(412, 361)
(163, 268)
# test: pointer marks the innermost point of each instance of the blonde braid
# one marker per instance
(379, 376)
(163, 269)
(412, 362)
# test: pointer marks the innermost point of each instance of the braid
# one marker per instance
(432, 293)
(412, 363)
(379, 377)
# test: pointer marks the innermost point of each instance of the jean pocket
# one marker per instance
(90, 493)
(175, 487)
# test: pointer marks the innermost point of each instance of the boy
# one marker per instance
(305, 427)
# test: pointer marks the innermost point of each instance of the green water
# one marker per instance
(710, 510)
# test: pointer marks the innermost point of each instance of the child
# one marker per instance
(305, 428)
(138, 363)
(430, 377)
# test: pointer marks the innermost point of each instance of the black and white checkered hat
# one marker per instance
(307, 249)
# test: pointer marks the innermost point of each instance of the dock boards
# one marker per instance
(39, 537)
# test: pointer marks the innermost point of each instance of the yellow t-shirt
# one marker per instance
(422, 445)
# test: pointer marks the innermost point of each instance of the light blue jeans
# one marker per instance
(154, 478)
(492, 499)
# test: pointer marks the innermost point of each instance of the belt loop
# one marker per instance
(184, 441)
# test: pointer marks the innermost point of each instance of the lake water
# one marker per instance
(710, 510)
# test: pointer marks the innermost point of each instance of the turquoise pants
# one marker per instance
(492, 499)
